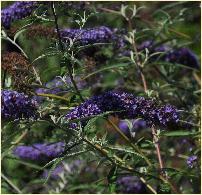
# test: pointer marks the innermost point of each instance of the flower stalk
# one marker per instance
(63, 51)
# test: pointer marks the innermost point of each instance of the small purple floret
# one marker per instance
(191, 161)
(123, 126)
(137, 126)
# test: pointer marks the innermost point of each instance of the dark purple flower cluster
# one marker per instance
(126, 105)
(138, 125)
(130, 185)
(191, 161)
(16, 11)
(86, 109)
(181, 55)
(166, 114)
(16, 105)
(91, 35)
(39, 151)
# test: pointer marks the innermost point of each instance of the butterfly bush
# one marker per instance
(15, 105)
(126, 105)
(40, 151)
(102, 46)
(17, 11)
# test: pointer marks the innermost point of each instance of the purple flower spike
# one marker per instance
(39, 151)
(130, 185)
(126, 106)
(181, 56)
(16, 105)
(16, 11)
(87, 36)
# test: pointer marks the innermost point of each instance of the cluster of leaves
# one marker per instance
(85, 70)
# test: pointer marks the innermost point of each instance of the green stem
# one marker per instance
(14, 43)
(14, 144)
(63, 51)
(128, 140)
(4, 78)
(189, 123)
(22, 51)
(52, 96)
(104, 152)
(157, 146)
(11, 184)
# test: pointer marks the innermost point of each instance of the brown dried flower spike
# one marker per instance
(18, 67)
(13, 62)
(40, 31)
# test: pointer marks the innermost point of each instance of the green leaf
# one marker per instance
(164, 188)
(11, 183)
(53, 53)
(82, 187)
(29, 164)
(107, 68)
(90, 125)
(177, 133)
(18, 34)
(102, 161)
(139, 156)
(174, 172)
(112, 173)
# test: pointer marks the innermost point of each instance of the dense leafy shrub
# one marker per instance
(100, 97)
